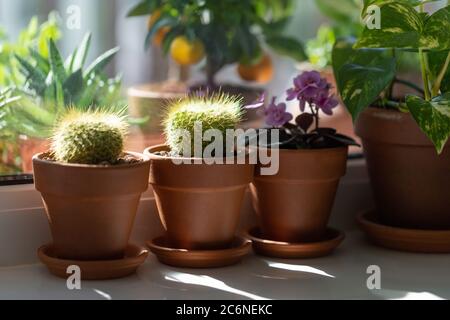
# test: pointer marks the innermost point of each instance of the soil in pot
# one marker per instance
(294, 205)
(410, 181)
(91, 208)
(199, 204)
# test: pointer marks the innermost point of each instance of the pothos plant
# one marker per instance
(312, 93)
(366, 68)
(227, 32)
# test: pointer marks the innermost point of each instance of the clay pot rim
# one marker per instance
(149, 153)
(145, 91)
(38, 158)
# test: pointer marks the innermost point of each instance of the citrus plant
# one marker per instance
(366, 70)
(224, 32)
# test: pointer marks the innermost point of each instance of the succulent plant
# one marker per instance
(217, 111)
(54, 84)
(90, 137)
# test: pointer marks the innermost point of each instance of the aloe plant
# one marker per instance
(366, 70)
(54, 84)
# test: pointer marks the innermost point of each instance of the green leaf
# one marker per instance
(59, 95)
(401, 27)
(73, 86)
(437, 29)
(56, 62)
(81, 52)
(142, 8)
(87, 98)
(433, 117)
(412, 3)
(287, 46)
(41, 62)
(436, 61)
(100, 63)
(163, 21)
(35, 77)
(361, 75)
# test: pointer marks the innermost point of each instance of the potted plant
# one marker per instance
(32, 38)
(294, 204)
(199, 195)
(218, 34)
(404, 138)
(90, 187)
(47, 84)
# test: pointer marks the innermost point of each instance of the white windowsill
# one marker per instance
(23, 228)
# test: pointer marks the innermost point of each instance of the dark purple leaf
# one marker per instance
(304, 121)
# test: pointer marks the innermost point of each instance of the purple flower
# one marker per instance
(276, 114)
(325, 102)
(306, 86)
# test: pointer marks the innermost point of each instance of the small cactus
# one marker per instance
(90, 137)
(218, 111)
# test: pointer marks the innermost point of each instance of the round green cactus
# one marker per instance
(218, 111)
(91, 137)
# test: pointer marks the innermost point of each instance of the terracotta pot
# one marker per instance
(91, 209)
(199, 204)
(410, 182)
(294, 205)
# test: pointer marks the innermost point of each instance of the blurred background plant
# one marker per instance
(34, 69)
(222, 32)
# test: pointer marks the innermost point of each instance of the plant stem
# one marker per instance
(426, 83)
(409, 84)
(437, 84)
(315, 114)
(390, 88)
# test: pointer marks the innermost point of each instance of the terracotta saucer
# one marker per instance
(287, 250)
(95, 270)
(412, 240)
(199, 258)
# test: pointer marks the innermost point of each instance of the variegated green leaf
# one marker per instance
(437, 60)
(412, 3)
(361, 75)
(436, 34)
(401, 27)
(433, 117)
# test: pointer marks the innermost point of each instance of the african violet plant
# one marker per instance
(232, 31)
(366, 70)
(313, 93)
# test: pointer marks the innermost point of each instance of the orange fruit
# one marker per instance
(158, 37)
(259, 72)
(186, 52)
